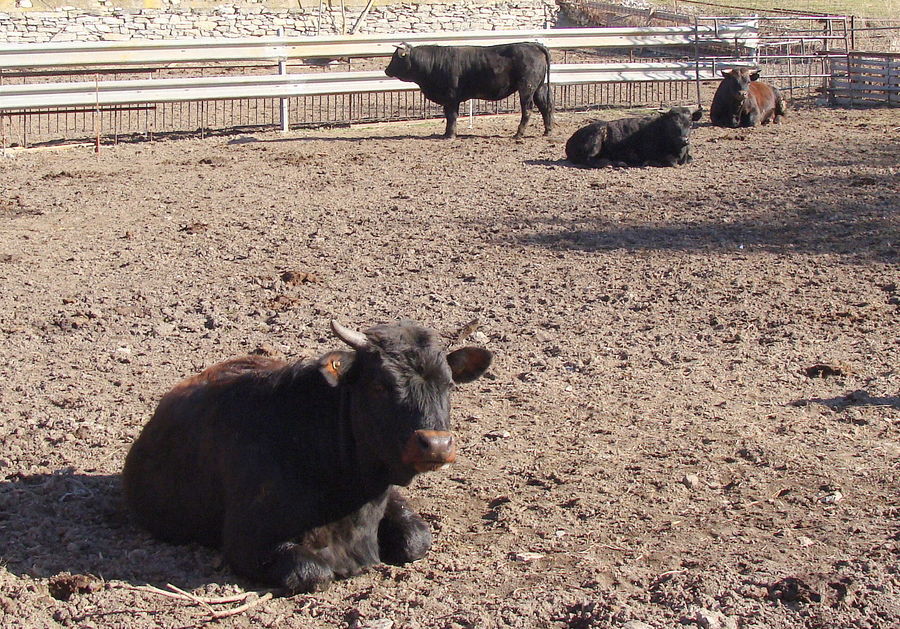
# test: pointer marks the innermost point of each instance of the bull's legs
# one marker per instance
(544, 101)
(525, 101)
(256, 550)
(451, 112)
(749, 118)
(288, 566)
(403, 536)
(780, 109)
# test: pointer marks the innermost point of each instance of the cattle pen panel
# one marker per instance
(264, 114)
(793, 58)
(867, 78)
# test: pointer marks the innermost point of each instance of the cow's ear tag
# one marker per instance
(334, 365)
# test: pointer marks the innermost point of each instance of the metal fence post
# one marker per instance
(284, 102)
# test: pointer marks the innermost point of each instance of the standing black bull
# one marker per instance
(449, 75)
(743, 101)
(291, 468)
(660, 140)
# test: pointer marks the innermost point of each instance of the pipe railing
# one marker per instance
(144, 91)
(145, 52)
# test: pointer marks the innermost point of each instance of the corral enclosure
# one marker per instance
(692, 416)
(795, 51)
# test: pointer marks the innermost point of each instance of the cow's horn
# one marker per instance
(354, 339)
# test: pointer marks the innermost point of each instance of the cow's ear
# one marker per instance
(697, 114)
(725, 73)
(334, 365)
(754, 75)
(468, 363)
(403, 49)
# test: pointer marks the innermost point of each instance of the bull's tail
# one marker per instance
(547, 108)
(547, 56)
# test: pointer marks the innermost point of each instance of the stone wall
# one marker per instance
(19, 25)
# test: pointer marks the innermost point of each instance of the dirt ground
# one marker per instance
(692, 418)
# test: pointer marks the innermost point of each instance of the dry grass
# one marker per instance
(862, 8)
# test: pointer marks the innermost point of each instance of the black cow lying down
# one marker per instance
(291, 468)
(450, 75)
(658, 140)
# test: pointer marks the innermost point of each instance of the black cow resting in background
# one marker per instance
(449, 75)
(743, 101)
(291, 469)
(658, 140)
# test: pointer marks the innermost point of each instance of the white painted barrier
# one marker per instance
(149, 52)
(146, 91)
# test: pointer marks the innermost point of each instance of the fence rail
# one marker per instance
(135, 92)
(866, 78)
(54, 91)
(142, 52)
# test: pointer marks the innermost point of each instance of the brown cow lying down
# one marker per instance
(743, 101)
(291, 468)
(657, 140)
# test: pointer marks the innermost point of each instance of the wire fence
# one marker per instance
(200, 118)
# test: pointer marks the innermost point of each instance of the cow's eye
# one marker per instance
(378, 388)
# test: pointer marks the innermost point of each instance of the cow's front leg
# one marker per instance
(403, 536)
(287, 566)
(668, 160)
(256, 551)
(749, 118)
(451, 112)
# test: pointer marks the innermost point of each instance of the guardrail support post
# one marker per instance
(284, 102)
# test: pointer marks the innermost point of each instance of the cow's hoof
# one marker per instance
(403, 541)
(307, 577)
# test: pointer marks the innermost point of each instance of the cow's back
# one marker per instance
(459, 73)
(765, 101)
(586, 143)
(624, 136)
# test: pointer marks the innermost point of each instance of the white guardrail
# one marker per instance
(143, 52)
(106, 93)
(19, 97)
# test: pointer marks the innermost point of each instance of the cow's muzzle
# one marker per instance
(429, 450)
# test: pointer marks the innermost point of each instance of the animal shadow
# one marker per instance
(855, 398)
(77, 523)
(594, 164)
(553, 162)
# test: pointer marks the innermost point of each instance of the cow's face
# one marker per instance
(740, 79)
(400, 66)
(399, 398)
(677, 123)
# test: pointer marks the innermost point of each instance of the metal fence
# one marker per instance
(54, 92)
